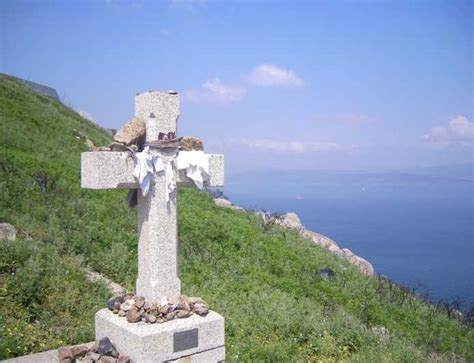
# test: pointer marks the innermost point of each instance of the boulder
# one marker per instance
(132, 133)
(189, 143)
(290, 220)
(7, 231)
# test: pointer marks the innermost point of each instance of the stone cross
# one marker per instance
(157, 222)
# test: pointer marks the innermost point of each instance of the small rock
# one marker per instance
(122, 313)
(189, 143)
(139, 301)
(195, 300)
(79, 351)
(107, 348)
(90, 358)
(65, 354)
(201, 309)
(165, 309)
(160, 320)
(150, 319)
(132, 133)
(183, 313)
(183, 304)
(114, 302)
(134, 316)
(152, 309)
(127, 305)
(7, 231)
(171, 316)
(107, 359)
(173, 300)
(124, 359)
(94, 347)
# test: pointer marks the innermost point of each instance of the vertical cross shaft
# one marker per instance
(157, 220)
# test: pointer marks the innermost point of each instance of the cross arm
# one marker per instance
(114, 170)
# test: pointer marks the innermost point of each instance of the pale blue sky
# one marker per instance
(296, 85)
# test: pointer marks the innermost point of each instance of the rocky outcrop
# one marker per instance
(224, 203)
(189, 143)
(322, 241)
(7, 231)
(132, 133)
(361, 263)
(290, 220)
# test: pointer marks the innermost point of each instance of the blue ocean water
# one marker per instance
(418, 231)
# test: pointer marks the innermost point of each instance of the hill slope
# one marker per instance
(264, 281)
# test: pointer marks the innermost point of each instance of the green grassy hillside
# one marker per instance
(264, 281)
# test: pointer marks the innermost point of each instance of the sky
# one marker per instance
(293, 85)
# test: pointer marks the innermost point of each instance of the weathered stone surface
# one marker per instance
(159, 110)
(114, 170)
(290, 220)
(189, 143)
(7, 231)
(106, 347)
(132, 133)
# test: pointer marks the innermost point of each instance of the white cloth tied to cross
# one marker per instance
(195, 164)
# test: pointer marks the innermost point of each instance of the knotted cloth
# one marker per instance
(194, 163)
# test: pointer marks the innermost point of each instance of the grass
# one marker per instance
(264, 281)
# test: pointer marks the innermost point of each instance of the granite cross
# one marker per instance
(157, 222)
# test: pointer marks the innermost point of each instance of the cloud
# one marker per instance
(458, 131)
(84, 114)
(297, 147)
(271, 75)
(215, 91)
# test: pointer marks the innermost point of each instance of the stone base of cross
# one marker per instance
(202, 339)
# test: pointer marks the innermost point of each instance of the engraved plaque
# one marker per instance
(185, 340)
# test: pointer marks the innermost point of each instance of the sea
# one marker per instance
(417, 230)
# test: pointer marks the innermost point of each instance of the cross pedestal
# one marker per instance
(198, 338)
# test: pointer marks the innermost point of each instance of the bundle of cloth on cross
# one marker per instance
(190, 159)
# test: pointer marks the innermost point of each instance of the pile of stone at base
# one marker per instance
(136, 309)
(102, 351)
